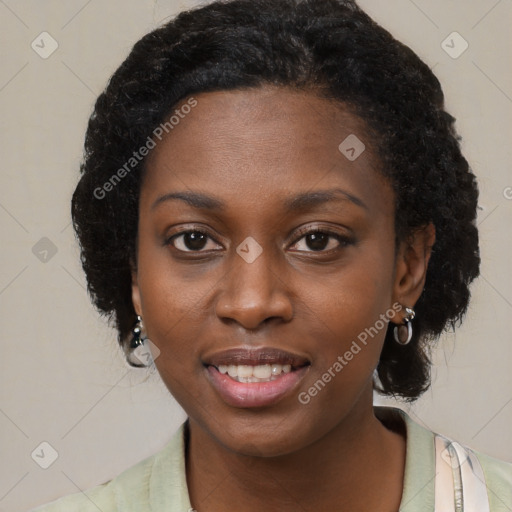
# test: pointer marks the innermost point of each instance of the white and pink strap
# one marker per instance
(459, 481)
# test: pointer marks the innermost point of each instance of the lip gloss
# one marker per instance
(254, 394)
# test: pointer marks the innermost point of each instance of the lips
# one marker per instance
(288, 370)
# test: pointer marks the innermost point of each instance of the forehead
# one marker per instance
(263, 145)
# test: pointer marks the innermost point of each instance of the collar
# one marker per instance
(168, 489)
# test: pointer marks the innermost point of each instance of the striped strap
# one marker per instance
(460, 481)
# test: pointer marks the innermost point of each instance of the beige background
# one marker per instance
(63, 379)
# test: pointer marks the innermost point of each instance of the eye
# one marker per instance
(316, 240)
(193, 240)
(321, 240)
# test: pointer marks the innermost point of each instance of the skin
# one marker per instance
(253, 149)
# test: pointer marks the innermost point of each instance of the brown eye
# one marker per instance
(189, 241)
(319, 240)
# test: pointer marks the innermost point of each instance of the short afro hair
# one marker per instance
(334, 49)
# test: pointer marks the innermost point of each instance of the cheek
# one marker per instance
(354, 298)
(350, 318)
(169, 305)
(353, 329)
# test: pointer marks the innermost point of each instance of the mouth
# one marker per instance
(255, 377)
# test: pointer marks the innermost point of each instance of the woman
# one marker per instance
(274, 207)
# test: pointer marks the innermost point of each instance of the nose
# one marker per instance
(254, 293)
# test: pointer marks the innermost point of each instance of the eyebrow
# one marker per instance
(299, 202)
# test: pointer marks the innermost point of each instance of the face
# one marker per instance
(265, 250)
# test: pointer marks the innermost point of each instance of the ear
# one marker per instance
(411, 266)
(135, 290)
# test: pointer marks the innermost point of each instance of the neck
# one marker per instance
(358, 465)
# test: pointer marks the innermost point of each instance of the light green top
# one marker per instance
(158, 483)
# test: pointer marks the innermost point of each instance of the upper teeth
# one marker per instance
(247, 373)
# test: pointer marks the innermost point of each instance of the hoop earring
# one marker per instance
(403, 333)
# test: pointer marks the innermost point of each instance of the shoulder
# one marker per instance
(498, 479)
(106, 497)
(100, 497)
(481, 478)
(160, 476)
(440, 470)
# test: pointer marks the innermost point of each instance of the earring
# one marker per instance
(137, 337)
(137, 340)
(403, 333)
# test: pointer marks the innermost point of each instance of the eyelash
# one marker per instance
(342, 239)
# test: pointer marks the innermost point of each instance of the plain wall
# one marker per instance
(63, 377)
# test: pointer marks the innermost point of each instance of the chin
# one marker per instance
(263, 435)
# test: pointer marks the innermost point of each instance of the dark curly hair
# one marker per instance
(331, 48)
